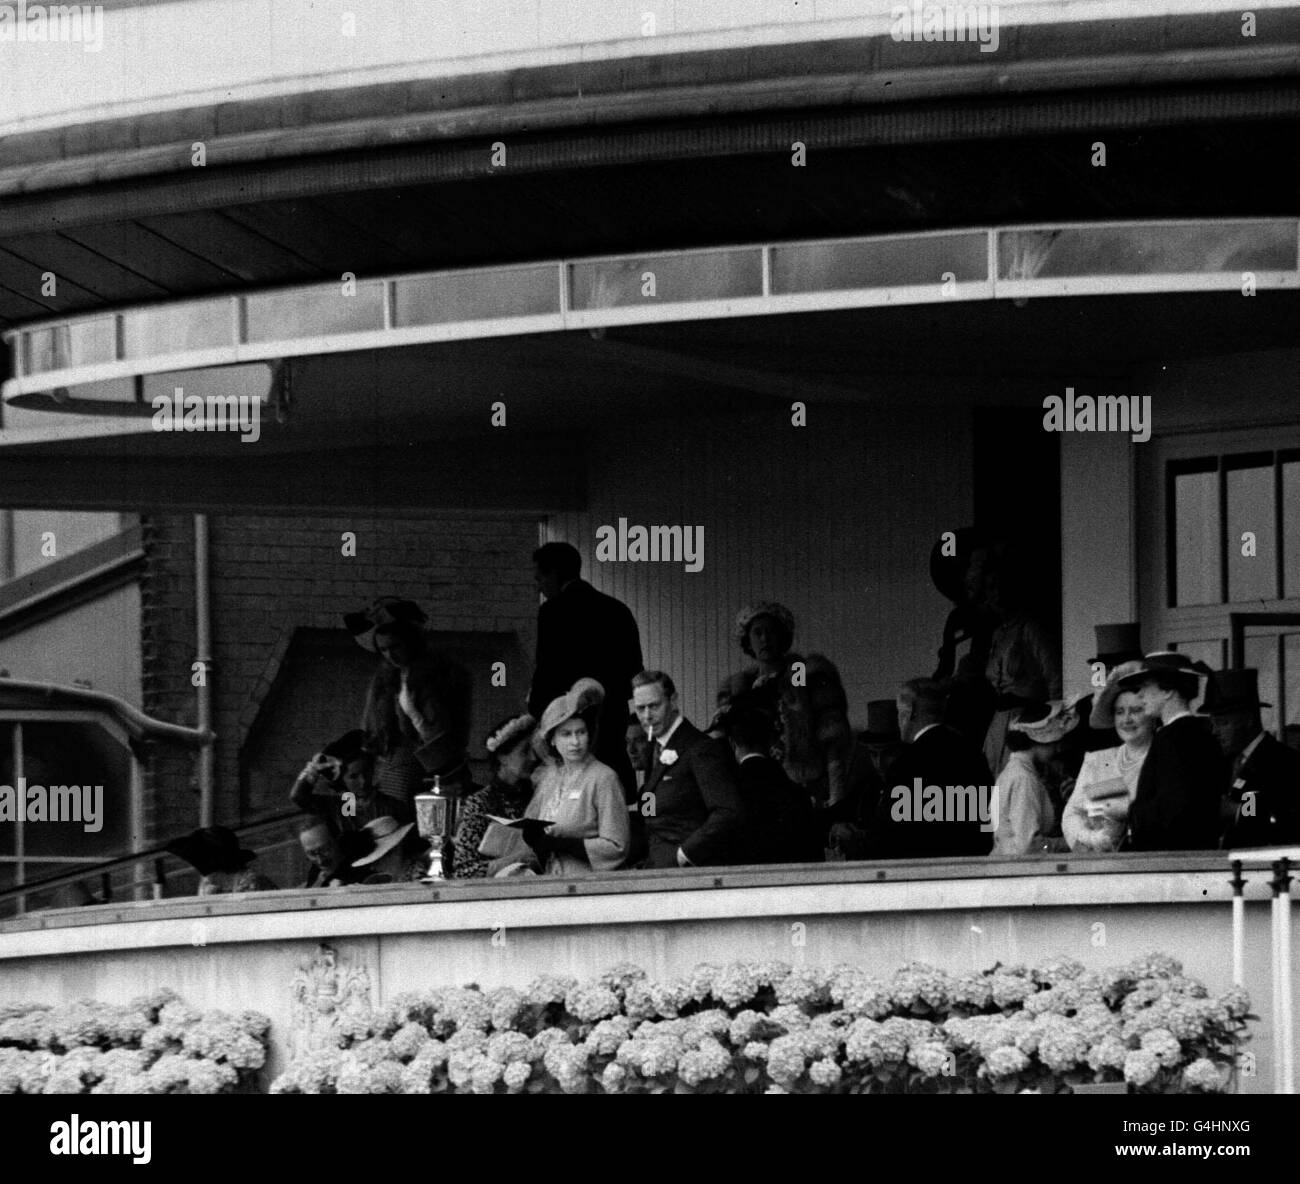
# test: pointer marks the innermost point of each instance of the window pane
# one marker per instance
(1261, 653)
(1147, 250)
(72, 531)
(155, 331)
(315, 312)
(707, 275)
(1250, 509)
(476, 296)
(821, 267)
(1196, 538)
(1291, 656)
(1213, 651)
(1291, 528)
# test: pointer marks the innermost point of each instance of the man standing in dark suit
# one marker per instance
(690, 800)
(782, 824)
(936, 754)
(1185, 775)
(582, 633)
(1262, 808)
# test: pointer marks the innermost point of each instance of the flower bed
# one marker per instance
(770, 1028)
(152, 1045)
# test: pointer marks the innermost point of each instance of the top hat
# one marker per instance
(1232, 690)
(584, 693)
(882, 722)
(385, 611)
(211, 849)
(387, 832)
(1118, 643)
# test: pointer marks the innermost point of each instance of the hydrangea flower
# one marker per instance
(639, 1001)
(1204, 1074)
(1057, 970)
(620, 978)
(508, 1047)
(1010, 989)
(485, 1074)
(589, 1002)
(1004, 1062)
(743, 1027)
(1062, 1047)
(507, 1007)
(1140, 1067)
(709, 1062)
(825, 1073)
(613, 1078)
(515, 1075)
(408, 1040)
(790, 1016)
(549, 988)
(608, 1035)
(804, 986)
(971, 991)
(1107, 1053)
(1162, 1044)
(1155, 966)
(755, 1050)
(932, 1059)
(786, 1060)
(737, 984)
(1237, 1001)
(669, 998)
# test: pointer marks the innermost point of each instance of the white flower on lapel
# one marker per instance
(668, 757)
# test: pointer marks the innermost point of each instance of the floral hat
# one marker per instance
(584, 693)
(764, 608)
(1058, 722)
(1103, 706)
(385, 611)
(503, 738)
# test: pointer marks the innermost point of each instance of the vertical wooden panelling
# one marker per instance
(834, 520)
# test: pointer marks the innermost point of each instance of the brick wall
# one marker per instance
(271, 576)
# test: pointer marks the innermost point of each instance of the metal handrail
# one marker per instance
(105, 869)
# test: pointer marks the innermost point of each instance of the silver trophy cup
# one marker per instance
(435, 817)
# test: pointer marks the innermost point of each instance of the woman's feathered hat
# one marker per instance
(383, 612)
(504, 738)
(764, 608)
(584, 694)
(1051, 727)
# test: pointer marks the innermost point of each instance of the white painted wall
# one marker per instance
(835, 521)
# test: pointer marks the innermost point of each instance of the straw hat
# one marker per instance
(387, 832)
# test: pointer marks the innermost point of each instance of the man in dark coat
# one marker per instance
(582, 633)
(1262, 808)
(690, 800)
(1185, 776)
(936, 754)
(782, 825)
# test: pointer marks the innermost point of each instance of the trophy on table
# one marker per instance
(435, 817)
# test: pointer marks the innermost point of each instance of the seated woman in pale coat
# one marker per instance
(581, 797)
(1096, 816)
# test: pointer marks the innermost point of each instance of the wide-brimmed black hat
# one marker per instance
(347, 747)
(1118, 643)
(1232, 690)
(385, 611)
(1164, 662)
(212, 849)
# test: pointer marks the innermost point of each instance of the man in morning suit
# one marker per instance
(782, 825)
(582, 633)
(1185, 775)
(937, 754)
(690, 799)
(1262, 808)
